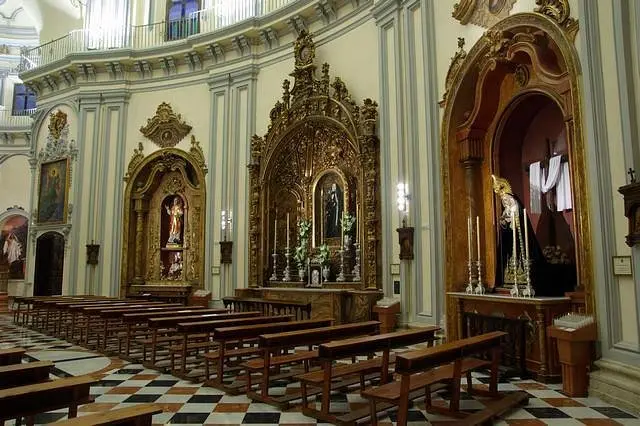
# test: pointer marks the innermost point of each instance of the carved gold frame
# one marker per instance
(168, 167)
(312, 107)
(463, 147)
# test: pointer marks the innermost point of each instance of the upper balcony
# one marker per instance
(157, 35)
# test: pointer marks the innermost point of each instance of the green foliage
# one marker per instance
(347, 222)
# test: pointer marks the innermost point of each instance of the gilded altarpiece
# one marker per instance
(164, 218)
(318, 161)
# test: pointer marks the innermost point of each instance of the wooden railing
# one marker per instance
(268, 307)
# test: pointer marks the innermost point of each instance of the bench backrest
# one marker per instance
(362, 345)
(116, 313)
(173, 321)
(169, 312)
(98, 309)
(245, 332)
(24, 373)
(209, 326)
(424, 359)
(11, 356)
(136, 415)
(317, 335)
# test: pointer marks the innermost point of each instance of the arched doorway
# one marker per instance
(49, 264)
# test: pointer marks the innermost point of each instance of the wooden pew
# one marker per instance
(239, 333)
(273, 343)
(27, 401)
(131, 320)
(138, 415)
(163, 331)
(447, 362)
(35, 317)
(206, 328)
(24, 374)
(329, 353)
(11, 356)
(299, 310)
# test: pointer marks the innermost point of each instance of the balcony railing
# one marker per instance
(16, 120)
(222, 14)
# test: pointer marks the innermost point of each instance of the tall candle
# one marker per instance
(515, 246)
(357, 223)
(469, 236)
(287, 230)
(342, 233)
(526, 236)
(478, 235)
(275, 234)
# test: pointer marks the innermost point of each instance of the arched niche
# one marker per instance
(522, 72)
(317, 134)
(164, 188)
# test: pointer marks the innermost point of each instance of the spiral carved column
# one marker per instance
(140, 209)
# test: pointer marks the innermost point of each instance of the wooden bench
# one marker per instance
(241, 333)
(11, 356)
(419, 370)
(329, 353)
(206, 328)
(27, 401)
(163, 330)
(130, 320)
(138, 415)
(273, 343)
(300, 310)
(24, 374)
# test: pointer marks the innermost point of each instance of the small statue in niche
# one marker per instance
(333, 212)
(175, 270)
(176, 213)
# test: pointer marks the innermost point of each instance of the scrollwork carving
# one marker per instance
(559, 11)
(166, 129)
(484, 13)
(135, 161)
(454, 67)
(197, 154)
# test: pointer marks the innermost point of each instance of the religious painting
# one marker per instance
(54, 191)
(329, 207)
(13, 240)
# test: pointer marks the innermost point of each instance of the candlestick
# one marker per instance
(275, 234)
(478, 236)
(526, 236)
(515, 248)
(342, 229)
(357, 222)
(287, 230)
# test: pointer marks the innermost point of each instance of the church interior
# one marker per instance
(320, 212)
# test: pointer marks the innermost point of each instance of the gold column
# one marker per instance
(471, 160)
(140, 208)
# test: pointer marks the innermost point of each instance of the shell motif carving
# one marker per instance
(166, 129)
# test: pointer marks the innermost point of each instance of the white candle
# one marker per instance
(342, 229)
(515, 246)
(526, 236)
(275, 234)
(469, 236)
(287, 230)
(478, 235)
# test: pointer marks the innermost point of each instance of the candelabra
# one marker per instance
(287, 271)
(469, 288)
(479, 287)
(515, 291)
(274, 276)
(528, 290)
(356, 268)
(341, 276)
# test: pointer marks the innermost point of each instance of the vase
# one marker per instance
(301, 273)
(325, 273)
(347, 241)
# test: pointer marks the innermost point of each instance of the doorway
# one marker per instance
(49, 264)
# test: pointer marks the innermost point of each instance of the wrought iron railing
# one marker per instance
(221, 14)
(16, 119)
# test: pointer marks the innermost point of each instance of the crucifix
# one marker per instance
(632, 175)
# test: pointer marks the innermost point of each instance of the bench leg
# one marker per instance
(374, 413)
(427, 396)
(469, 383)
(403, 403)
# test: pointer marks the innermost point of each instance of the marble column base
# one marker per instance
(616, 383)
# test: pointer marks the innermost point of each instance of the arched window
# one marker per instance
(181, 18)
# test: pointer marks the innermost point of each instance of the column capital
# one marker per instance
(471, 146)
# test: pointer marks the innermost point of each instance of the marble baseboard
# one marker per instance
(616, 383)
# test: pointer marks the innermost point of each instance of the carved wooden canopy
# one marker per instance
(166, 129)
(318, 136)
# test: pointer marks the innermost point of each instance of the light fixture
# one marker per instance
(403, 200)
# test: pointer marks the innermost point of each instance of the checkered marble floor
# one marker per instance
(123, 384)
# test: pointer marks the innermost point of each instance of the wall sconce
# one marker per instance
(405, 233)
(93, 251)
(226, 247)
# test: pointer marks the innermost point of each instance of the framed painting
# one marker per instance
(13, 241)
(53, 192)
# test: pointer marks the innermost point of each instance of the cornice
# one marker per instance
(383, 9)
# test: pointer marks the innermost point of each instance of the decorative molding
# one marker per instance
(456, 62)
(12, 16)
(135, 161)
(484, 13)
(166, 129)
(297, 24)
(559, 11)
(198, 154)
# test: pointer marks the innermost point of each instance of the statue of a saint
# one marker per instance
(333, 212)
(512, 210)
(175, 212)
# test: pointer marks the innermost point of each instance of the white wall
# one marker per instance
(15, 183)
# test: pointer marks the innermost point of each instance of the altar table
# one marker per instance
(541, 351)
(343, 305)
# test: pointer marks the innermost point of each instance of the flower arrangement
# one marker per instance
(323, 256)
(347, 222)
(301, 251)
